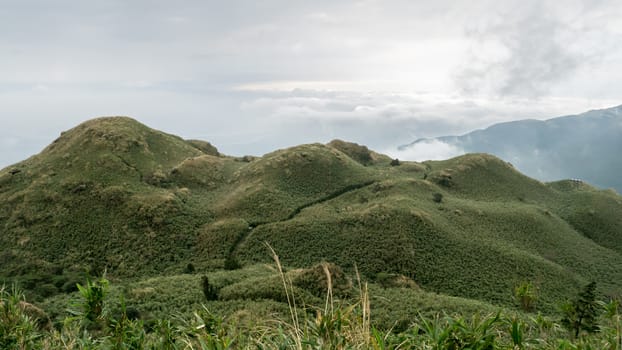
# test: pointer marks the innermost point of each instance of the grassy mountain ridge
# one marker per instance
(113, 194)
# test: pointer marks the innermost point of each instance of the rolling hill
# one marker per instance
(114, 195)
(580, 146)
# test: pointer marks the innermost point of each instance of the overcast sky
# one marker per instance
(253, 76)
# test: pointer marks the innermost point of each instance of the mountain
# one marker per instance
(581, 146)
(114, 195)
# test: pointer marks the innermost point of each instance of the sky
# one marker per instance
(255, 76)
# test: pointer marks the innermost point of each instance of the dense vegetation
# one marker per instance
(94, 322)
(174, 224)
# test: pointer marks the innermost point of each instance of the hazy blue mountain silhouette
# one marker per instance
(587, 146)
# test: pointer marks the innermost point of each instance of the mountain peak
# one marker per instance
(116, 132)
(108, 147)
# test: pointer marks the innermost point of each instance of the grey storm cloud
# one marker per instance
(538, 46)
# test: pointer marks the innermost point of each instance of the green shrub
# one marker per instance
(92, 304)
(132, 313)
(46, 290)
(526, 294)
(316, 280)
(17, 329)
(231, 263)
(355, 151)
(393, 280)
(204, 147)
(189, 268)
(70, 286)
(437, 197)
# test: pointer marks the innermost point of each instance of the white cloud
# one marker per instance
(426, 150)
(533, 48)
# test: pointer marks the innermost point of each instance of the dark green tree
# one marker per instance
(437, 197)
(581, 313)
(189, 268)
(209, 291)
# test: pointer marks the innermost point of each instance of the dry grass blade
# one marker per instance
(329, 290)
(289, 294)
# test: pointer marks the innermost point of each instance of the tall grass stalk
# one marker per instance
(365, 324)
(329, 291)
(289, 294)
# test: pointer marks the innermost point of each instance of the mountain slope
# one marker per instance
(582, 146)
(115, 195)
(91, 200)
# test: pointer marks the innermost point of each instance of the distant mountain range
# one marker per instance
(584, 146)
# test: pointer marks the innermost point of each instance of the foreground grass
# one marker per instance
(337, 324)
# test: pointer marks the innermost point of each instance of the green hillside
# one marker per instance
(114, 195)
